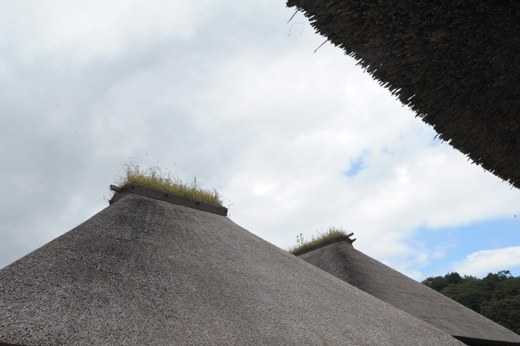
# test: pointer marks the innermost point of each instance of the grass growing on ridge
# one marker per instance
(321, 237)
(153, 177)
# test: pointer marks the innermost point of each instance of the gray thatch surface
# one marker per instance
(146, 272)
(454, 62)
(381, 281)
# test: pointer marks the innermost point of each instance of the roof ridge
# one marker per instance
(165, 196)
(329, 241)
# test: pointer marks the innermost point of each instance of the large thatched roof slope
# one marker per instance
(456, 63)
(147, 272)
(352, 266)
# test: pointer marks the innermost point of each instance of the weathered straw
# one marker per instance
(359, 270)
(454, 62)
(148, 272)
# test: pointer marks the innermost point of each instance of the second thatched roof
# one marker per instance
(454, 62)
(343, 261)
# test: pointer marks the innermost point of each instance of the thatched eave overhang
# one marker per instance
(455, 63)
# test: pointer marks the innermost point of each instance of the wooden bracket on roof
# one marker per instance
(114, 188)
(164, 196)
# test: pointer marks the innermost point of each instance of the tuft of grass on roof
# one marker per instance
(320, 237)
(154, 177)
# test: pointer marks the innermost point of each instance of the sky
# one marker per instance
(296, 140)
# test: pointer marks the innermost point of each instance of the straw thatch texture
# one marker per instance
(371, 276)
(454, 62)
(146, 272)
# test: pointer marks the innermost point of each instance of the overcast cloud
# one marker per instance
(229, 92)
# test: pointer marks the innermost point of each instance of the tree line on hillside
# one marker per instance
(497, 296)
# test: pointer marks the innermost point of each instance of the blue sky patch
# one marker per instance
(462, 241)
(435, 142)
(387, 151)
(357, 165)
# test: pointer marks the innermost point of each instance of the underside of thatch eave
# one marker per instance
(455, 63)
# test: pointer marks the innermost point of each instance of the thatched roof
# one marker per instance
(352, 266)
(147, 272)
(454, 62)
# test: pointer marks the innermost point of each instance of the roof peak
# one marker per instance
(337, 239)
(165, 196)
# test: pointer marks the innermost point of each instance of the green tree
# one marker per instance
(439, 283)
(505, 312)
(468, 293)
(496, 296)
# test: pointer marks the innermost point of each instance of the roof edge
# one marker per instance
(330, 241)
(482, 342)
(137, 189)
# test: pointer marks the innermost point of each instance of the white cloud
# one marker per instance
(228, 96)
(481, 263)
(82, 30)
(307, 117)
